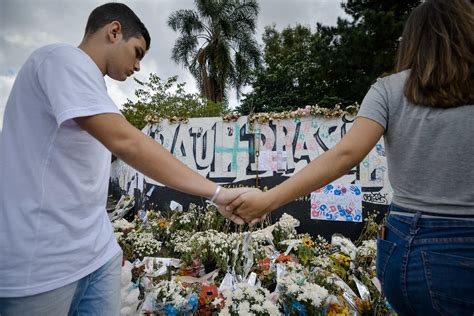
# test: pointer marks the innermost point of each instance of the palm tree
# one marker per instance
(217, 44)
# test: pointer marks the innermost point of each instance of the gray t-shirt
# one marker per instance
(430, 152)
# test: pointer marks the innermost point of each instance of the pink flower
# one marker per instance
(307, 110)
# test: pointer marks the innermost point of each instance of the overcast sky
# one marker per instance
(26, 25)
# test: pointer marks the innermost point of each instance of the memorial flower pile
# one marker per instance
(195, 262)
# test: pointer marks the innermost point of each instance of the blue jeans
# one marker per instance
(96, 294)
(426, 265)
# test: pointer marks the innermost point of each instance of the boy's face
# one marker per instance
(126, 57)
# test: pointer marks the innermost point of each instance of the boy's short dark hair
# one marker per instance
(109, 12)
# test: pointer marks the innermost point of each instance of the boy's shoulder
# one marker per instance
(60, 55)
(58, 49)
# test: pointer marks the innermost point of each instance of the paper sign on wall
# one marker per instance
(337, 202)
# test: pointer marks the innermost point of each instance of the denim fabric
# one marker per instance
(426, 265)
(96, 294)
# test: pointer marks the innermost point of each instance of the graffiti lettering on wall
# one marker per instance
(376, 197)
(230, 152)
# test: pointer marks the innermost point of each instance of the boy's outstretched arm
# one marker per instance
(150, 158)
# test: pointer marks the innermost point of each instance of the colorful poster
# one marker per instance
(337, 202)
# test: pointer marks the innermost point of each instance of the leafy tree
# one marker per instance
(285, 80)
(156, 97)
(365, 48)
(335, 64)
(217, 44)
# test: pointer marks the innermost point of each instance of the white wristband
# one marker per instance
(214, 197)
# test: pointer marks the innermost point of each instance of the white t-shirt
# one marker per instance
(54, 176)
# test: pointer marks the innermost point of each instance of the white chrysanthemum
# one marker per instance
(313, 293)
(226, 293)
(238, 294)
(122, 224)
(259, 297)
(225, 311)
(258, 308)
(293, 288)
(144, 244)
(322, 262)
(367, 249)
(289, 221)
(244, 308)
(270, 308)
(345, 245)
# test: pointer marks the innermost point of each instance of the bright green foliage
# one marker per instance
(333, 64)
(167, 99)
(217, 44)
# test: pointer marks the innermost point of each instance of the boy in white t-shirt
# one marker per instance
(58, 251)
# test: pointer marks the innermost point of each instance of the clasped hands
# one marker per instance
(243, 205)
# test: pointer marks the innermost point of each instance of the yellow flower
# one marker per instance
(163, 223)
(307, 242)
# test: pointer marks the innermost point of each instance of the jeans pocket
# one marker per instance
(385, 249)
(450, 282)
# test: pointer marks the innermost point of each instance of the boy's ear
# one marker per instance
(114, 31)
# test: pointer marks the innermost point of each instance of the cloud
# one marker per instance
(30, 40)
(6, 84)
(285, 13)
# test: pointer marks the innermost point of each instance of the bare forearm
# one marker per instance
(153, 160)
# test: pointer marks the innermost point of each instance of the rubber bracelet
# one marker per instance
(218, 189)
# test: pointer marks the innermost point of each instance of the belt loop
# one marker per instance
(414, 223)
(390, 209)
